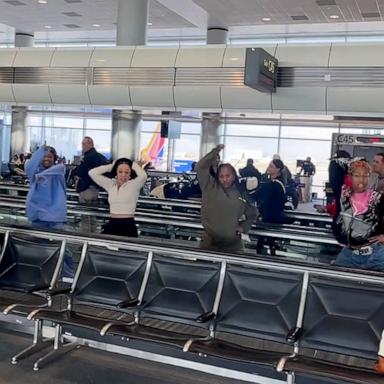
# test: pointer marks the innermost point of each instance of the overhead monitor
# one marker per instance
(170, 129)
(260, 70)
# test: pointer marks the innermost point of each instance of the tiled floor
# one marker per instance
(89, 366)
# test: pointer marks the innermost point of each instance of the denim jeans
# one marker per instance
(68, 262)
(374, 261)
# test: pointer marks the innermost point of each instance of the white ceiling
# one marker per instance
(179, 17)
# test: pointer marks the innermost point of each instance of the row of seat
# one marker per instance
(297, 319)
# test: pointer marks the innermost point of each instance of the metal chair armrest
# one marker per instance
(281, 364)
(206, 317)
(128, 303)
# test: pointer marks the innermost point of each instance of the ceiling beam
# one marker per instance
(189, 11)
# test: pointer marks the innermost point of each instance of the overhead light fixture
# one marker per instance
(96, 25)
(266, 19)
(42, 1)
(334, 16)
(47, 26)
(150, 23)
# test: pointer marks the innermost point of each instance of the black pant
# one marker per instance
(120, 227)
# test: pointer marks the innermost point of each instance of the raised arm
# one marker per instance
(34, 164)
(141, 174)
(204, 165)
(96, 174)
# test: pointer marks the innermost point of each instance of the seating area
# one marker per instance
(294, 319)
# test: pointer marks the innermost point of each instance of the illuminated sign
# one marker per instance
(260, 70)
(359, 139)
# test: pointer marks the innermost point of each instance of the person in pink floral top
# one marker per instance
(360, 224)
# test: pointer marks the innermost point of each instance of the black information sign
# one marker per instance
(260, 70)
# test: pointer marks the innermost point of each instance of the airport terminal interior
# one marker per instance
(192, 191)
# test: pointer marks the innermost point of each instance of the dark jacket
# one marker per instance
(355, 231)
(308, 168)
(91, 159)
(271, 201)
(250, 171)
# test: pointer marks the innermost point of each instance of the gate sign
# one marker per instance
(260, 70)
(360, 139)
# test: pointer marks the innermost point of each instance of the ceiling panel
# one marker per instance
(251, 12)
(60, 15)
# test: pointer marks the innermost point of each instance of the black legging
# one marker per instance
(120, 227)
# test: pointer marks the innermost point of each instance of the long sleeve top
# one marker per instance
(46, 200)
(271, 201)
(223, 211)
(123, 200)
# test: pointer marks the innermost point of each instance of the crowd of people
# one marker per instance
(229, 207)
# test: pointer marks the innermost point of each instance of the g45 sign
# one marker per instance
(260, 70)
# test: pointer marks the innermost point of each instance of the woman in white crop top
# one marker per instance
(123, 192)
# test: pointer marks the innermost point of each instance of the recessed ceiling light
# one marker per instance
(334, 16)
(96, 25)
(47, 26)
(42, 1)
(266, 19)
(150, 23)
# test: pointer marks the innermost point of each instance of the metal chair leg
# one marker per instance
(189, 343)
(38, 344)
(291, 378)
(59, 349)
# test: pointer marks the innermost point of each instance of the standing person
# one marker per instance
(380, 362)
(46, 204)
(308, 168)
(360, 224)
(225, 211)
(378, 169)
(286, 175)
(306, 172)
(271, 195)
(88, 190)
(337, 172)
(123, 193)
(271, 198)
(250, 171)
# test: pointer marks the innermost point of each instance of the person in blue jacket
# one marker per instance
(46, 205)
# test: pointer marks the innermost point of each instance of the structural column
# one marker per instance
(20, 140)
(125, 134)
(217, 36)
(212, 130)
(212, 126)
(132, 24)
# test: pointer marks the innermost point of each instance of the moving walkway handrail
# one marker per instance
(165, 215)
(161, 220)
(183, 204)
